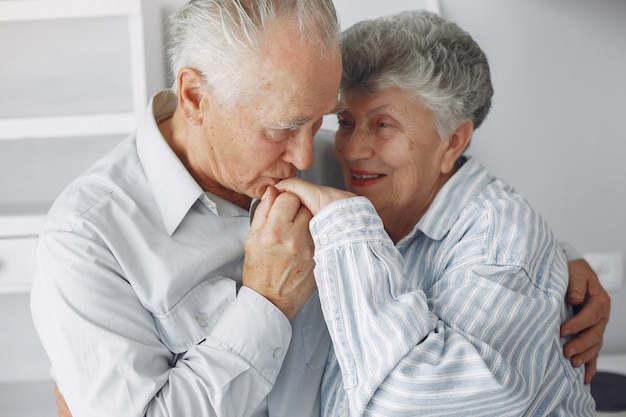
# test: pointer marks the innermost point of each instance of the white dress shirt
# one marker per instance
(137, 297)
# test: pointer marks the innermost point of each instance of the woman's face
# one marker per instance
(391, 153)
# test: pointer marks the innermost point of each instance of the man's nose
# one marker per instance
(300, 151)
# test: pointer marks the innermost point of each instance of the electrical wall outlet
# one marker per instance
(609, 266)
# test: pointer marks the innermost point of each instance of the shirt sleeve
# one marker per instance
(473, 341)
(107, 355)
(570, 252)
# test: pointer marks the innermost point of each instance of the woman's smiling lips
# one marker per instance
(363, 178)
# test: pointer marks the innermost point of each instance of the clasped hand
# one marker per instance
(278, 262)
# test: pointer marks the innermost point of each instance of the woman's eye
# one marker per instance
(383, 124)
(342, 122)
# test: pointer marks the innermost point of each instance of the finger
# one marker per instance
(582, 348)
(293, 185)
(585, 340)
(262, 209)
(303, 216)
(594, 313)
(580, 275)
(591, 369)
(590, 315)
(306, 192)
(586, 356)
(284, 209)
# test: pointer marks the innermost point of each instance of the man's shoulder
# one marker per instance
(112, 176)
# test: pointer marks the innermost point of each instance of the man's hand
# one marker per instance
(62, 409)
(278, 261)
(589, 323)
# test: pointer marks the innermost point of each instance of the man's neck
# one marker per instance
(170, 129)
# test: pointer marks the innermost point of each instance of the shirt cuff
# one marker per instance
(256, 330)
(346, 221)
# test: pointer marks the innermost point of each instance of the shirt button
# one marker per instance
(201, 321)
(342, 412)
(323, 239)
(278, 352)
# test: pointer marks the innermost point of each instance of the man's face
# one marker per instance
(249, 146)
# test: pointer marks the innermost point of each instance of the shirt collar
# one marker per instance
(174, 189)
(453, 197)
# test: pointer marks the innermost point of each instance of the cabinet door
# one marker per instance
(71, 68)
(72, 82)
(17, 264)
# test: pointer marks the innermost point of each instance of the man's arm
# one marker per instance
(104, 345)
(585, 291)
(265, 257)
(62, 409)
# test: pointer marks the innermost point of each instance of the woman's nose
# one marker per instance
(358, 146)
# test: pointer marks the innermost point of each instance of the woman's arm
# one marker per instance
(480, 337)
(584, 289)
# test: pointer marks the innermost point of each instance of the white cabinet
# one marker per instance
(17, 264)
(25, 382)
(72, 86)
(72, 83)
(71, 68)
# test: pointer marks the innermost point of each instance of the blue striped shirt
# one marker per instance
(460, 318)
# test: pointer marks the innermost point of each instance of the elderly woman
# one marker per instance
(442, 288)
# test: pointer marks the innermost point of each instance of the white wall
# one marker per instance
(556, 129)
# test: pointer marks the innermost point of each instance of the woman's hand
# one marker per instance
(588, 324)
(314, 197)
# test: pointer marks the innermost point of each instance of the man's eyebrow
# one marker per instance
(291, 124)
(296, 124)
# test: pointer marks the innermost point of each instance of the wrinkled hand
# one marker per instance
(278, 262)
(589, 323)
(314, 197)
(62, 409)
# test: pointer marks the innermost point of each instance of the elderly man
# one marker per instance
(141, 296)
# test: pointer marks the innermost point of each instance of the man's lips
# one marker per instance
(282, 176)
(363, 178)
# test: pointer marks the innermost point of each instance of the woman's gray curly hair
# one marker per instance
(420, 52)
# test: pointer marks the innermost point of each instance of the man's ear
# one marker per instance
(457, 143)
(191, 91)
